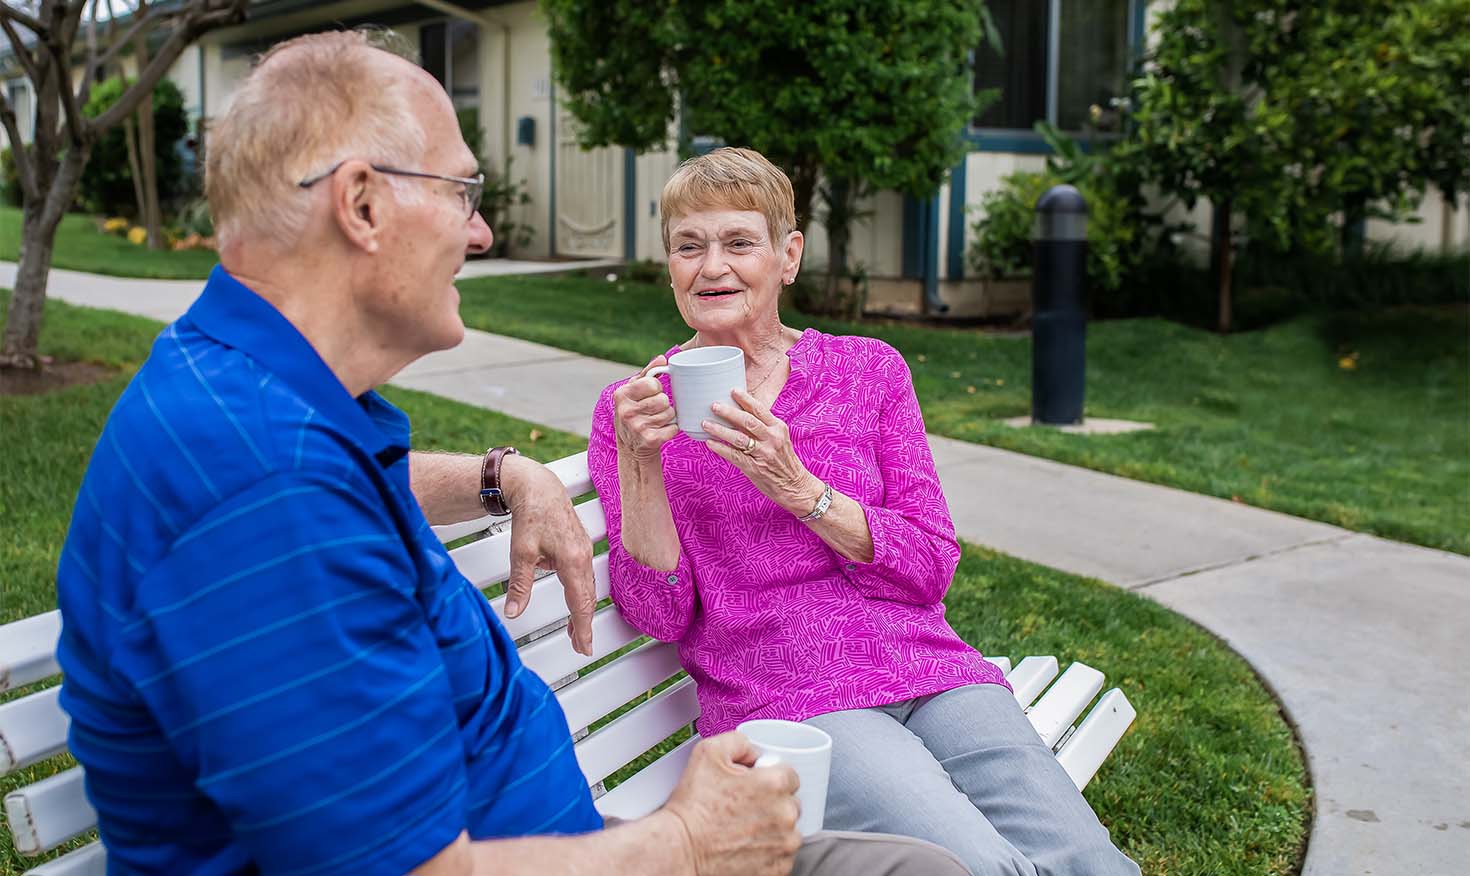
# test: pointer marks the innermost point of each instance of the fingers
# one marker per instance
(733, 437)
(753, 405)
(580, 591)
(744, 420)
(653, 363)
(522, 576)
(731, 747)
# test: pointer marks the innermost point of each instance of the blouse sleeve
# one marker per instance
(657, 602)
(915, 552)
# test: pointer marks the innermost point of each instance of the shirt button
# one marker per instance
(673, 579)
(852, 567)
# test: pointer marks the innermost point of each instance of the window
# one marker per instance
(450, 52)
(1061, 59)
(19, 94)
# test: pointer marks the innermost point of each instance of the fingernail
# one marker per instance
(512, 606)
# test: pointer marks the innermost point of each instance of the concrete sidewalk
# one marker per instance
(1359, 636)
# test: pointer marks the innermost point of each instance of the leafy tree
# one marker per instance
(1380, 94)
(1291, 113)
(109, 180)
(46, 39)
(859, 93)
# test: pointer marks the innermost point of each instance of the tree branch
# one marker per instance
(11, 13)
(147, 18)
(27, 63)
(89, 72)
(70, 109)
(195, 23)
(18, 150)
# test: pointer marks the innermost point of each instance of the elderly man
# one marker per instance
(272, 666)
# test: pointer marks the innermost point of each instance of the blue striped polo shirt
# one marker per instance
(271, 664)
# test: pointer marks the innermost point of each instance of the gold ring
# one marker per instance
(749, 445)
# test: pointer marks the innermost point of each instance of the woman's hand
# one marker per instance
(643, 415)
(760, 446)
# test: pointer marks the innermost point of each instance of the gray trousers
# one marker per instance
(841, 853)
(966, 770)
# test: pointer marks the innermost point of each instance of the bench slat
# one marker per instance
(50, 812)
(487, 561)
(629, 735)
(89, 860)
(28, 650)
(574, 476)
(548, 602)
(32, 729)
(647, 789)
(1030, 676)
(1053, 714)
(631, 675)
(1096, 737)
(552, 657)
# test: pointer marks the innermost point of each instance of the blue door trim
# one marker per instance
(956, 260)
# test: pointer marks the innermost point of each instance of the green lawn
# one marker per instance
(1208, 781)
(81, 246)
(1268, 417)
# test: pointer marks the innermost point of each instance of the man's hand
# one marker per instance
(740, 820)
(546, 534)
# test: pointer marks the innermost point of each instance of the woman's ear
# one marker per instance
(795, 243)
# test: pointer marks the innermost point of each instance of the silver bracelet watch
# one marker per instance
(822, 505)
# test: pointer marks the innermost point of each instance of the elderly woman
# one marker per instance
(799, 556)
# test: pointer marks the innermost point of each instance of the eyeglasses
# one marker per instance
(474, 186)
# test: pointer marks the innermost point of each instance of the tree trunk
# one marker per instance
(1354, 225)
(804, 187)
(1223, 258)
(838, 224)
(148, 156)
(39, 220)
(135, 170)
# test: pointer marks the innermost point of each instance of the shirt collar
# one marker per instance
(232, 314)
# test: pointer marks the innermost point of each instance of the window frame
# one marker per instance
(1027, 141)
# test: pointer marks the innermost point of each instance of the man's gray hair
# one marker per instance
(309, 103)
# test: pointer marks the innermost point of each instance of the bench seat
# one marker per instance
(645, 682)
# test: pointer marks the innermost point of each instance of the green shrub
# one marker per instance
(1003, 233)
(501, 191)
(195, 218)
(1271, 288)
(107, 180)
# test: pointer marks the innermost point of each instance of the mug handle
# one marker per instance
(767, 760)
(655, 372)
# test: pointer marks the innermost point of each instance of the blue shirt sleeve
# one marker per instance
(282, 645)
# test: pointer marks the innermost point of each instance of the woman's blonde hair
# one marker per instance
(309, 102)
(732, 179)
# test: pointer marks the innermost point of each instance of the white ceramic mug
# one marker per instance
(701, 377)
(804, 748)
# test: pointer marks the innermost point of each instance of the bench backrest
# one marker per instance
(641, 682)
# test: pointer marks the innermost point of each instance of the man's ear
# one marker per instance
(358, 202)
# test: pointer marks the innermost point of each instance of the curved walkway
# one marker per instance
(1361, 638)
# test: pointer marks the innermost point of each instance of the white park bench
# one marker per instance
(44, 815)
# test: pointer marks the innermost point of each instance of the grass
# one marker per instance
(82, 246)
(1271, 418)
(1208, 781)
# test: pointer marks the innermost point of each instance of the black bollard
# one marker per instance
(1059, 308)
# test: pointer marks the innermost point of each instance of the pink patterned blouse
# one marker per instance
(770, 621)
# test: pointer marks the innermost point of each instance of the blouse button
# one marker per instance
(673, 579)
(852, 567)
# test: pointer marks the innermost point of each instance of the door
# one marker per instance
(589, 195)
